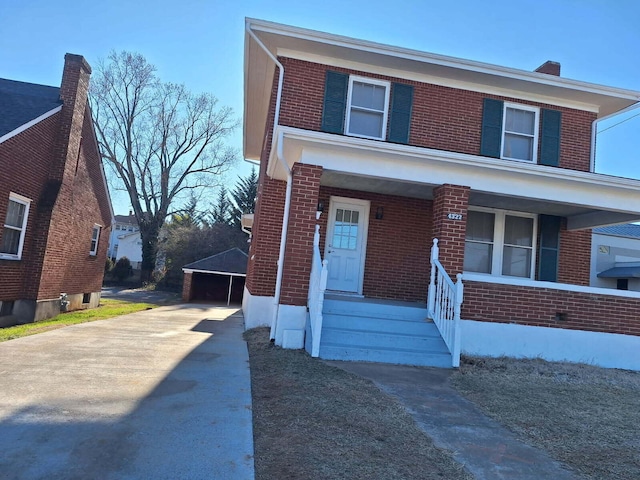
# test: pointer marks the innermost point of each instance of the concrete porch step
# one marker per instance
(380, 324)
(385, 355)
(431, 341)
(374, 307)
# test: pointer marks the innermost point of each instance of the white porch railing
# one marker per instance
(315, 300)
(443, 304)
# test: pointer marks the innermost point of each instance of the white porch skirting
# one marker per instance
(609, 350)
(258, 312)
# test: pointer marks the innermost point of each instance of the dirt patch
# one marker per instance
(312, 420)
(584, 416)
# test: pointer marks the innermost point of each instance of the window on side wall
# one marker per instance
(500, 243)
(520, 132)
(15, 227)
(95, 236)
(367, 107)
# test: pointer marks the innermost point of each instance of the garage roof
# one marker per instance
(232, 261)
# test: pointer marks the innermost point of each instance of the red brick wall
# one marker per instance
(574, 265)
(25, 160)
(443, 118)
(538, 307)
(187, 288)
(299, 247)
(267, 226)
(56, 164)
(450, 232)
(82, 201)
(398, 245)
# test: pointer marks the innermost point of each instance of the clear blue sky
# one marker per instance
(201, 43)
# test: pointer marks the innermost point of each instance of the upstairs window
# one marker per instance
(368, 102)
(367, 107)
(512, 131)
(520, 133)
(15, 227)
(95, 236)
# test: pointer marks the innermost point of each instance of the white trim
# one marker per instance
(94, 251)
(523, 282)
(536, 121)
(366, 204)
(499, 217)
(385, 112)
(434, 59)
(29, 124)
(609, 350)
(191, 270)
(16, 198)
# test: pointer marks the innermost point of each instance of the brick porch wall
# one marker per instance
(450, 233)
(489, 302)
(299, 247)
(574, 265)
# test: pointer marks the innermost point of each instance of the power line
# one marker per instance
(616, 124)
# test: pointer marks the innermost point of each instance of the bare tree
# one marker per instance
(162, 141)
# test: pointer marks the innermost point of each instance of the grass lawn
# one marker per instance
(108, 308)
(584, 416)
(315, 421)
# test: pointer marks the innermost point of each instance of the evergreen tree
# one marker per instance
(244, 197)
(221, 209)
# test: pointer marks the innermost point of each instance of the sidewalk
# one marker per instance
(488, 450)
(161, 394)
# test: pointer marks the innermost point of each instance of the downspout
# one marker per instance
(594, 132)
(287, 200)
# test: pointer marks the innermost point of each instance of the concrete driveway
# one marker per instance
(161, 394)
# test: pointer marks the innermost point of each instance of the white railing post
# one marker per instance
(431, 296)
(456, 321)
(315, 298)
(444, 302)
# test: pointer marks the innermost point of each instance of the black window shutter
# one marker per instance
(491, 140)
(400, 120)
(549, 247)
(550, 137)
(335, 101)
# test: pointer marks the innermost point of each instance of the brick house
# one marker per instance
(386, 149)
(54, 202)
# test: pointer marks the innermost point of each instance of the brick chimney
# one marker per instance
(550, 68)
(73, 93)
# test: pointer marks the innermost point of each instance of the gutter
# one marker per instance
(594, 132)
(287, 201)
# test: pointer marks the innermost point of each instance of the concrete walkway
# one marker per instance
(161, 394)
(484, 447)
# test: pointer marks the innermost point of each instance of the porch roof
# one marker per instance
(586, 199)
(621, 272)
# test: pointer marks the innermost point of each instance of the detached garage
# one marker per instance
(218, 278)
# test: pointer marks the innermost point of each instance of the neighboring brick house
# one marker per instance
(54, 202)
(390, 148)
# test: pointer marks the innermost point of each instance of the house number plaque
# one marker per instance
(454, 216)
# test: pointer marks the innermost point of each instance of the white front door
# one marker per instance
(346, 244)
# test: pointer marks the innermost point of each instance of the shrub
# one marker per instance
(108, 265)
(122, 269)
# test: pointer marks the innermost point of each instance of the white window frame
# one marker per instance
(14, 197)
(385, 115)
(498, 240)
(96, 228)
(536, 128)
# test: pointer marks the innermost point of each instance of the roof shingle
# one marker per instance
(22, 102)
